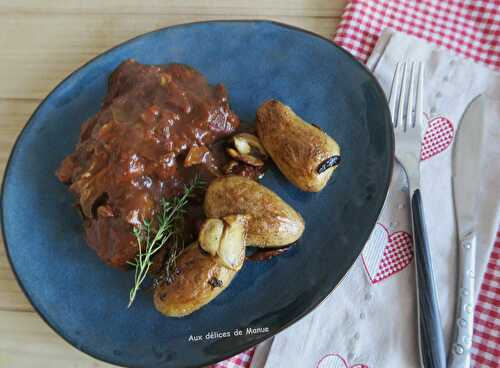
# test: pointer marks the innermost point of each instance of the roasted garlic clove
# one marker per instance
(242, 145)
(233, 153)
(247, 149)
(231, 250)
(210, 235)
(247, 143)
(251, 160)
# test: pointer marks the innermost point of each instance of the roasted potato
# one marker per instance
(199, 279)
(305, 154)
(272, 222)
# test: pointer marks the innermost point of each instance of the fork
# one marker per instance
(406, 105)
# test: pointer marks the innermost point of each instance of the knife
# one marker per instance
(466, 174)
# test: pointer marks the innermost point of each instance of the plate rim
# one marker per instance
(14, 148)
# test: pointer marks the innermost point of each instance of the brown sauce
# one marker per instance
(156, 130)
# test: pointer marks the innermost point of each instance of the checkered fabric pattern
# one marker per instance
(397, 254)
(486, 340)
(238, 361)
(468, 27)
(438, 136)
(472, 29)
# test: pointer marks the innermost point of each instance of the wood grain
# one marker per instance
(41, 43)
(220, 8)
(32, 71)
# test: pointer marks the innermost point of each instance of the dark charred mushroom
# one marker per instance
(329, 162)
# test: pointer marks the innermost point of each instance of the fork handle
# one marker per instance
(431, 342)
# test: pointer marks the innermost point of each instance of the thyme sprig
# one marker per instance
(152, 237)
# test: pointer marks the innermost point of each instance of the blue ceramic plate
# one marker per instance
(85, 301)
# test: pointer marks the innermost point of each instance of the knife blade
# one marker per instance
(466, 173)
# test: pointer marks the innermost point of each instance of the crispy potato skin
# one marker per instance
(295, 146)
(191, 288)
(273, 223)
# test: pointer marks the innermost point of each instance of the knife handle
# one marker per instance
(464, 314)
(431, 342)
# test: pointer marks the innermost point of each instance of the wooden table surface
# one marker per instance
(41, 43)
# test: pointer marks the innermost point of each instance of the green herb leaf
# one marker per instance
(150, 241)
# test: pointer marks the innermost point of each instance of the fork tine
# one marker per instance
(402, 97)
(409, 121)
(420, 96)
(394, 93)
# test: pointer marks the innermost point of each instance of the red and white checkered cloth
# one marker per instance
(467, 27)
(242, 360)
(486, 341)
(398, 253)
